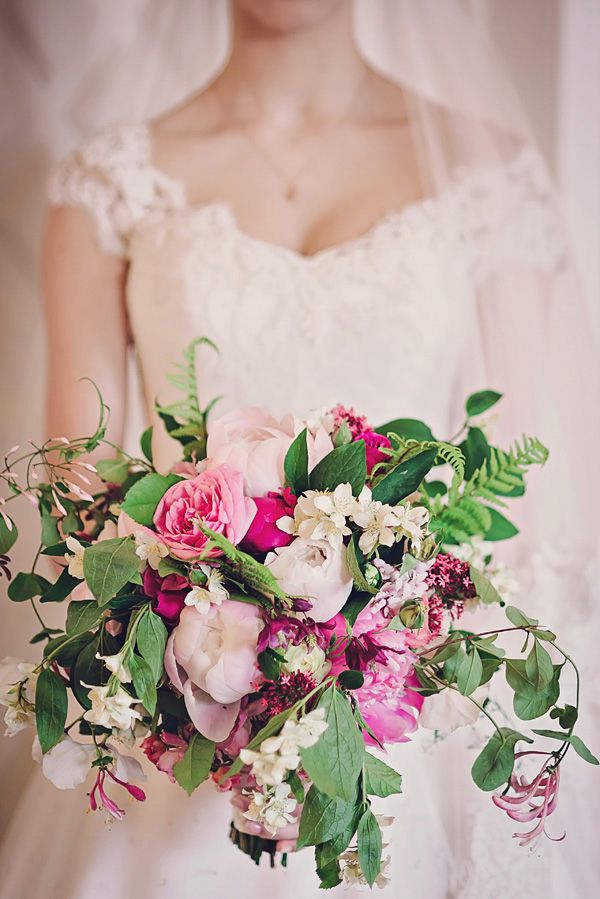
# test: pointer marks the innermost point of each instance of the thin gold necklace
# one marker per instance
(290, 182)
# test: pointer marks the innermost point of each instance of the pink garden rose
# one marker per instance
(255, 443)
(373, 444)
(211, 658)
(263, 534)
(215, 497)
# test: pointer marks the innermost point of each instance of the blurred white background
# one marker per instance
(64, 74)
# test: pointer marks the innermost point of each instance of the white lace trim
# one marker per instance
(499, 215)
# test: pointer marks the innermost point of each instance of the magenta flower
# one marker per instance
(263, 533)
(105, 801)
(373, 445)
(167, 592)
(532, 800)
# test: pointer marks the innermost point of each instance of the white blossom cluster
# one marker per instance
(272, 807)
(325, 516)
(278, 755)
(17, 694)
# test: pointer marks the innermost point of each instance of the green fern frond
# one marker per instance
(404, 449)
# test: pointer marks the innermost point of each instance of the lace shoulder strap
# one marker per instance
(509, 216)
(113, 179)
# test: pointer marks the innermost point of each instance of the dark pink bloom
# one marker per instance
(373, 444)
(533, 800)
(105, 801)
(285, 630)
(450, 578)
(164, 751)
(355, 423)
(263, 533)
(282, 694)
(167, 592)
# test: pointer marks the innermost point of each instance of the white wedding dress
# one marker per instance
(385, 323)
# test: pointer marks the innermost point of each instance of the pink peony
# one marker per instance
(316, 570)
(211, 658)
(373, 444)
(255, 443)
(263, 534)
(215, 497)
(167, 592)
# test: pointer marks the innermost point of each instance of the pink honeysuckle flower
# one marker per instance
(533, 800)
(105, 801)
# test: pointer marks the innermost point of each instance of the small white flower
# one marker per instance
(279, 754)
(273, 808)
(75, 559)
(310, 728)
(17, 694)
(352, 874)
(376, 520)
(110, 707)
(150, 549)
(412, 522)
(307, 659)
(67, 764)
(118, 666)
(322, 516)
(213, 593)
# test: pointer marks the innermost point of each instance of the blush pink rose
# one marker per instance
(211, 658)
(264, 534)
(215, 497)
(255, 443)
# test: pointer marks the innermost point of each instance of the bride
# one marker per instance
(337, 233)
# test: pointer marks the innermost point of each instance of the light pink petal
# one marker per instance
(213, 720)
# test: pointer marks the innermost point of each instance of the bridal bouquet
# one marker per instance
(287, 601)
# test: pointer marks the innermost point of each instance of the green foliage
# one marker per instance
(369, 846)
(403, 478)
(494, 764)
(256, 575)
(575, 741)
(143, 497)
(324, 817)
(195, 766)
(151, 638)
(486, 591)
(380, 779)
(146, 443)
(50, 708)
(343, 465)
(335, 762)
(355, 560)
(143, 682)
(61, 589)
(108, 566)
(469, 671)
(185, 420)
(8, 535)
(295, 464)
(480, 402)
(113, 471)
(407, 428)
(81, 617)
(25, 586)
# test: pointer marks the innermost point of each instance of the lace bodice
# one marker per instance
(390, 307)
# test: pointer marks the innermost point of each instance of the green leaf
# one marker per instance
(532, 705)
(146, 443)
(151, 639)
(518, 618)
(296, 786)
(323, 817)
(66, 648)
(329, 875)
(46, 633)
(343, 465)
(113, 471)
(61, 589)
(538, 666)
(295, 464)
(494, 764)
(351, 680)
(50, 533)
(50, 708)
(481, 401)
(57, 549)
(380, 779)
(144, 496)
(8, 536)
(476, 449)
(329, 851)
(335, 761)
(194, 767)
(253, 573)
(404, 478)
(144, 682)
(354, 605)
(469, 672)
(486, 591)
(109, 565)
(355, 560)
(369, 846)
(408, 428)
(501, 528)
(518, 678)
(86, 668)
(575, 741)
(25, 586)
(269, 663)
(82, 616)
(567, 716)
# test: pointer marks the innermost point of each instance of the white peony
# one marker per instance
(111, 708)
(67, 764)
(316, 570)
(309, 660)
(448, 710)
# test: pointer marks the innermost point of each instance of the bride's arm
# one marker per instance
(86, 326)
